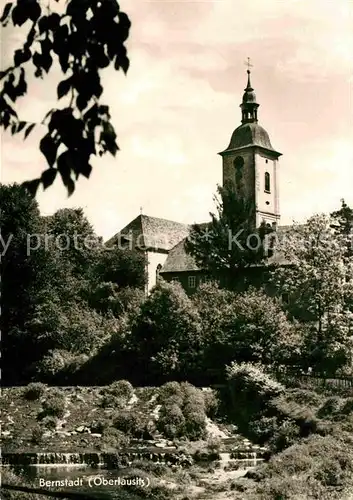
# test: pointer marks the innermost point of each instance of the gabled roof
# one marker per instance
(151, 233)
(179, 260)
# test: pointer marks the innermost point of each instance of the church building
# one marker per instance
(250, 166)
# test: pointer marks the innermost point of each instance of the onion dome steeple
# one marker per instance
(249, 105)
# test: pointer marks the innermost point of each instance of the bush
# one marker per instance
(121, 389)
(54, 405)
(98, 426)
(252, 391)
(130, 423)
(193, 397)
(330, 407)
(49, 422)
(195, 425)
(263, 429)
(37, 435)
(34, 391)
(113, 438)
(54, 362)
(211, 403)
(284, 436)
(171, 393)
(111, 401)
(171, 421)
(347, 407)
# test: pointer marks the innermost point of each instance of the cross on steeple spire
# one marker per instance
(249, 105)
(248, 64)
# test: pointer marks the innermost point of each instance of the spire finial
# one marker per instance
(249, 65)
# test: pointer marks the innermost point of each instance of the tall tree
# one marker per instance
(230, 242)
(166, 335)
(319, 285)
(83, 38)
(24, 272)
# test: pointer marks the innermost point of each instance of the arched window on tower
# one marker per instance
(267, 182)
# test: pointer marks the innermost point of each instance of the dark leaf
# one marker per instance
(81, 102)
(70, 186)
(48, 177)
(34, 10)
(64, 59)
(49, 147)
(64, 87)
(47, 60)
(22, 84)
(29, 129)
(6, 12)
(65, 165)
(43, 24)
(32, 186)
(84, 169)
(37, 59)
(21, 126)
(22, 56)
(20, 14)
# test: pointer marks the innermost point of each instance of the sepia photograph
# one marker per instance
(176, 249)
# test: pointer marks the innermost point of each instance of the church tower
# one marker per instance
(250, 164)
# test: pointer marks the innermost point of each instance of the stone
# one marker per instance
(6, 433)
(96, 434)
(80, 428)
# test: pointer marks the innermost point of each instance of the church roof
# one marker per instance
(151, 233)
(179, 260)
(249, 134)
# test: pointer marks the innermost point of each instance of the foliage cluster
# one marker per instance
(183, 410)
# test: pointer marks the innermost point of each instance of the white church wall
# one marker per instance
(153, 260)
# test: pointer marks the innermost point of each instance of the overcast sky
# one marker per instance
(179, 104)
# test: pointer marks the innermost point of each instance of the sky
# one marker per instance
(179, 103)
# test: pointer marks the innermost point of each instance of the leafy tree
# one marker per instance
(166, 335)
(344, 218)
(72, 238)
(24, 274)
(248, 326)
(122, 267)
(230, 242)
(87, 36)
(319, 286)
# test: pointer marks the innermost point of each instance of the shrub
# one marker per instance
(261, 430)
(111, 401)
(347, 407)
(98, 426)
(330, 407)
(211, 403)
(171, 393)
(54, 405)
(195, 425)
(193, 396)
(49, 422)
(37, 435)
(252, 389)
(171, 421)
(54, 362)
(121, 389)
(130, 423)
(34, 391)
(284, 436)
(113, 438)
